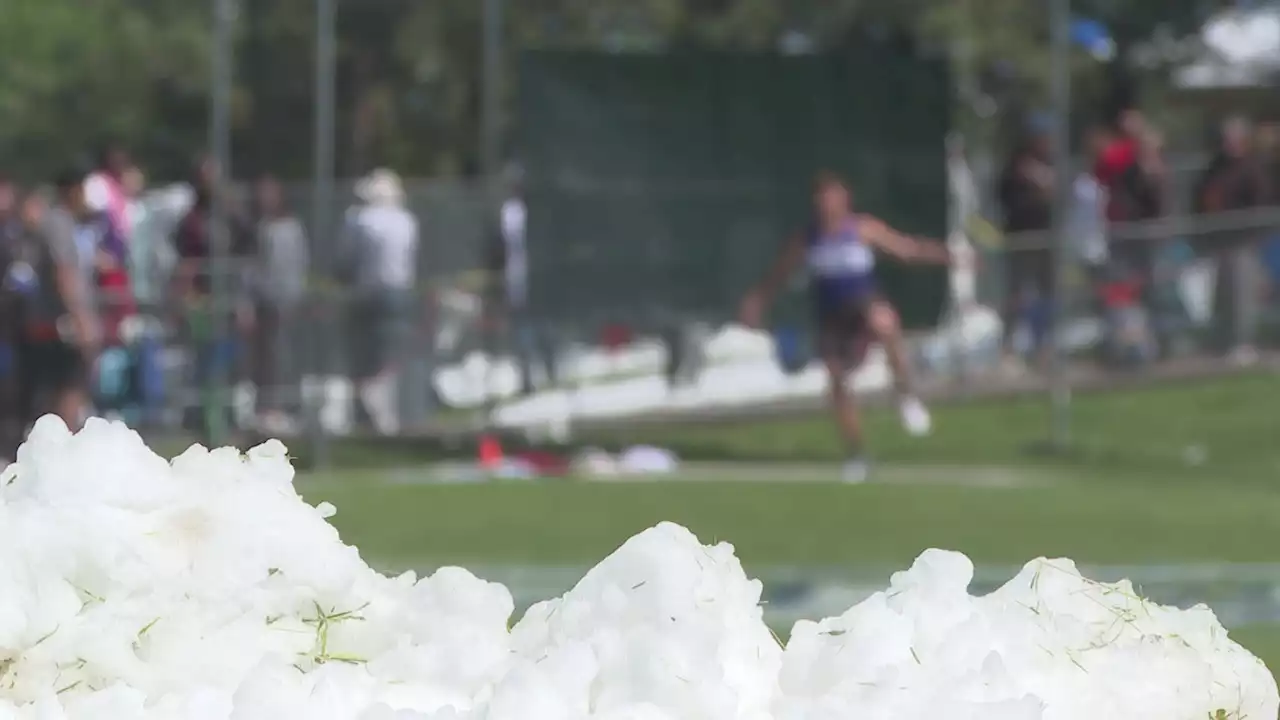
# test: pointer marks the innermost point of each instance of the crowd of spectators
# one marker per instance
(101, 274)
(1118, 195)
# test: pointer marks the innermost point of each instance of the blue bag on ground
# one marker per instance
(791, 349)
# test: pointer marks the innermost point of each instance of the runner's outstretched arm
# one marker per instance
(904, 247)
(762, 294)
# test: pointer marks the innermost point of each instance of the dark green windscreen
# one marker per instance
(660, 186)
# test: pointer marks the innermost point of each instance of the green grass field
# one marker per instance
(1168, 474)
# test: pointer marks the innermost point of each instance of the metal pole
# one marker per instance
(490, 149)
(217, 394)
(1059, 385)
(491, 122)
(322, 195)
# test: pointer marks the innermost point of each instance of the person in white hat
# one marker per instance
(381, 187)
(381, 253)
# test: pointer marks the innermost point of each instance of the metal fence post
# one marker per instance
(216, 392)
(491, 122)
(1059, 383)
(321, 204)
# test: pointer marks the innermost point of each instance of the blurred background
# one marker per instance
(478, 263)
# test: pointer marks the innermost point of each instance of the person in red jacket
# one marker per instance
(106, 195)
(1130, 167)
(1131, 170)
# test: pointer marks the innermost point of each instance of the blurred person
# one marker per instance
(279, 285)
(380, 254)
(1267, 141)
(1131, 168)
(1087, 215)
(1026, 189)
(107, 193)
(9, 220)
(107, 186)
(150, 258)
(58, 259)
(1235, 180)
(209, 323)
(510, 261)
(149, 251)
(11, 229)
(839, 249)
(103, 253)
(1152, 162)
(1116, 285)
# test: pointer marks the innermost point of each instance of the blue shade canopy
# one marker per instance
(1093, 37)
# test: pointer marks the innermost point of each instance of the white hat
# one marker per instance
(380, 187)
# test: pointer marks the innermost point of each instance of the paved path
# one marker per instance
(1241, 594)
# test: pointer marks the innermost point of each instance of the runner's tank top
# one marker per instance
(841, 266)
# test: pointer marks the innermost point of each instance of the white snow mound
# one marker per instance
(206, 589)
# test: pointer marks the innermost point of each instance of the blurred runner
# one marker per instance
(839, 249)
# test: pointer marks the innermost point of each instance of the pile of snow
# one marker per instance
(206, 589)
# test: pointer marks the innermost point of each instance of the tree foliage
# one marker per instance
(409, 93)
(74, 73)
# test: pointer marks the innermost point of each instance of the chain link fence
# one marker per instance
(463, 365)
(644, 236)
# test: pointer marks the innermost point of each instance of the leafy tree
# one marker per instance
(409, 71)
(72, 73)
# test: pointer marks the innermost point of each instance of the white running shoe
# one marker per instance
(855, 471)
(915, 416)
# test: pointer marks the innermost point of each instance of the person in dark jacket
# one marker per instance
(1026, 197)
(509, 293)
(11, 421)
(1235, 180)
(278, 285)
(1131, 168)
(208, 320)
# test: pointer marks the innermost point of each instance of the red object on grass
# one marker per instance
(545, 464)
(489, 454)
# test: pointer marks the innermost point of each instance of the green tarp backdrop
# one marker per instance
(660, 186)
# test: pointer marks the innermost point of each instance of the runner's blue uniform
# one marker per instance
(843, 283)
